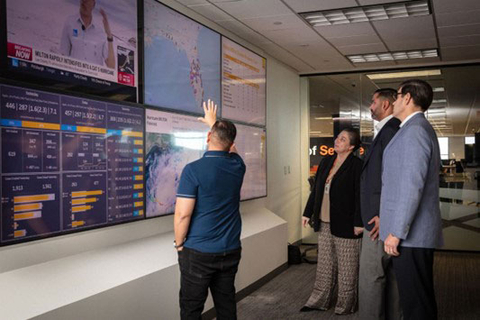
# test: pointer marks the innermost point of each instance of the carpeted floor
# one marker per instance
(457, 282)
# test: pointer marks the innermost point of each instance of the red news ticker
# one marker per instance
(126, 78)
(19, 51)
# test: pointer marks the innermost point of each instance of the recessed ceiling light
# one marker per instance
(439, 101)
(367, 13)
(390, 56)
(405, 74)
(439, 89)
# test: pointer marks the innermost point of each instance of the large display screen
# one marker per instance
(67, 163)
(182, 60)
(90, 43)
(252, 146)
(174, 140)
(243, 84)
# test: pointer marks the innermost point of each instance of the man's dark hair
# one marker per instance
(224, 133)
(354, 136)
(387, 94)
(420, 91)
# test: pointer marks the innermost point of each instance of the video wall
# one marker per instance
(73, 162)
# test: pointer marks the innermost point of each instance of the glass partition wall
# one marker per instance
(341, 100)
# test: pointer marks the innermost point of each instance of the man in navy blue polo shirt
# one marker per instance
(207, 222)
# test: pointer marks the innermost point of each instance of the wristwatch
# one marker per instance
(177, 246)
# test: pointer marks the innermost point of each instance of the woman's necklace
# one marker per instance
(331, 174)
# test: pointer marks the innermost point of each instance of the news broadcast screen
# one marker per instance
(67, 164)
(182, 60)
(88, 43)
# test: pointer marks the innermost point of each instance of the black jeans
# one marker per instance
(200, 271)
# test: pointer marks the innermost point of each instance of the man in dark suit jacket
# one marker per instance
(378, 293)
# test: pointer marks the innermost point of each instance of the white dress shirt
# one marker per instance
(409, 117)
(380, 125)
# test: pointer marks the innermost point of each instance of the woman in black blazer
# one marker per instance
(333, 210)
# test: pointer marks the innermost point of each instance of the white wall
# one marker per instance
(264, 236)
(308, 235)
(284, 147)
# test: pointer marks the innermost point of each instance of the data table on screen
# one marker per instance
(243, 84)
(68, 163)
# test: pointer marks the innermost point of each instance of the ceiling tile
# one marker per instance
(192, 2)
(457, 18)
(316, 5)
(288, 58)
(456, 31)
(356, 40)
(461, 53)
(416, 62)
(317, 44)
(316, 54)
(293, 36)
(331, 67)
(253, 37)
(271, 23)
(254, 9)
(234, 26)
(372, 2)
(346, 30)
(460, 41)
(442, 6)
(363, 48)
(411, 28)
(403, 34)
(211, 12)
(412, 44)
(373, 65)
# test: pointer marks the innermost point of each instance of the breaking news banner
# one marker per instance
(93, 40)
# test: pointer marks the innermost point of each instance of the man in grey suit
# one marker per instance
(411, 226)
(378, 292)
